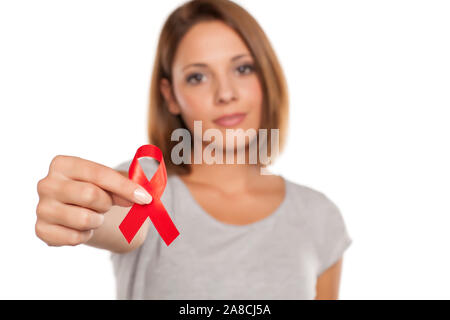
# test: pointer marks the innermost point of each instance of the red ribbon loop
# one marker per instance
(154, 210)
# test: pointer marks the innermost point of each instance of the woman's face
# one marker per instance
(213, 76)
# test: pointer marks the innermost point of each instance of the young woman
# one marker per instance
(243, 234)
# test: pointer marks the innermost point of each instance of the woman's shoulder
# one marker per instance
(315, 202)
(306, 193)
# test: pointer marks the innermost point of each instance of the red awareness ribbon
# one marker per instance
(154, 210)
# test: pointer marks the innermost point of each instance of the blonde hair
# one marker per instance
(161, 123)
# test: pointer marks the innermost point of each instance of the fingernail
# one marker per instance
(142, 196)
(91, 233)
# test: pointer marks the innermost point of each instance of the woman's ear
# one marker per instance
(166, 91)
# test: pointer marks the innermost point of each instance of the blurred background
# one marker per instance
(369, 88)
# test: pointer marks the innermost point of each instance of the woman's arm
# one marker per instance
(327, 287)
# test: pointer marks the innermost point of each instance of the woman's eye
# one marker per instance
(246, 68)
(194, 78)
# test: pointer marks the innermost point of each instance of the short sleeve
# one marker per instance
(124, 268)
(333, 238)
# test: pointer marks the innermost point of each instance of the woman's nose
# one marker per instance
(225, 91)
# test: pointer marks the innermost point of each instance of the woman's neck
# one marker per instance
(230, 178)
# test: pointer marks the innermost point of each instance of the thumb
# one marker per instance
(131, 193)
(119, 201)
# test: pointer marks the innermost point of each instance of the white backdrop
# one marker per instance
(370, 96)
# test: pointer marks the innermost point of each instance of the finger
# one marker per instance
(119, 201)
(106, 178)
(57, 235)
(84, 194)
(70, 216)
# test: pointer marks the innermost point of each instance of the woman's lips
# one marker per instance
(230, 120)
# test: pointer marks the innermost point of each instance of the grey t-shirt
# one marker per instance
(278, 257)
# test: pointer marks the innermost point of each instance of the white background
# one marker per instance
(370, 96)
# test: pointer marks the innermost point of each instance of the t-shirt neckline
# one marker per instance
(208, 217)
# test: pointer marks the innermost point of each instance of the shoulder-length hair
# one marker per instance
(161, 123)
